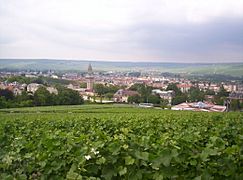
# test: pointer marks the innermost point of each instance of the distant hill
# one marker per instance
(233, 69)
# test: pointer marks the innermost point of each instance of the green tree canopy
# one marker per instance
(143, 90)
(42, 97)
(173, 86)
(7, 94)
(100, 89)
(222, 92)
(68, 97)
(134, 99)
(155, 99)
(195, 94)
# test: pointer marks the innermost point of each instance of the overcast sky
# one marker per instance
(136, 30)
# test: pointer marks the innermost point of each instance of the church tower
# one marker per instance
(90, 79)
(90, 70)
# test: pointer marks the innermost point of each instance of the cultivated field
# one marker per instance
(119, 142)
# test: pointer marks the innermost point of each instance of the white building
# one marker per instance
(52, 90)
(17, 91)
(167, 95)
(184, 87)
(33, 87)
(199, 106)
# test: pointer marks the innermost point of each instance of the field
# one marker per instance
(119, 142)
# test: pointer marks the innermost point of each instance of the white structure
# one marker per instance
(167, 95)
(17, 91)
(54, 76)
(199, 106)
(184, 87)
(33, 87)
(52, 90)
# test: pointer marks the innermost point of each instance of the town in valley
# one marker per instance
(155, 89)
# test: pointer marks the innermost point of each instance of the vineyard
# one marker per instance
(119, 142)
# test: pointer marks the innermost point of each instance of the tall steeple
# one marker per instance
(90, 70)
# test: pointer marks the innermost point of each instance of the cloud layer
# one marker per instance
(138, 30)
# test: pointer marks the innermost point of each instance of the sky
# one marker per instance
(198, 31)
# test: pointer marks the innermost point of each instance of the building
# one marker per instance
(184, 87)
(3, 86)
(33, 87)
(90, 79)
(167, 95)
(236, 95)
(16, 91)
(230, 87)
(214, 87)
(122, 95)
(199, 106)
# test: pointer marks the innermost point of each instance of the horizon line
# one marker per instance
(120, 61)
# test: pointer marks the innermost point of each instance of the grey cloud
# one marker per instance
(188, 37)
(220, 38)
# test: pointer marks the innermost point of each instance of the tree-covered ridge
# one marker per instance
(231, 69)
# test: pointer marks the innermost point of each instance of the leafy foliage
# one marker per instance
(195, 94)
(103, 142)
(104, 90)
(144, 91)
(42, 97)
(40, 80)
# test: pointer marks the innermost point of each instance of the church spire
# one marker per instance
(90, 70)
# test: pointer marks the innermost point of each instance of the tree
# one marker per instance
(100, 89)
(179, 96)
(174, 87)
(24, 100)
(164, 103)
(195, 94)
(221, 96)
(219, 100)
(143, 90)
(209, 92)
(7, 94)
(3, 102)
(109, 95)
(112, 88)
(39, 80)
(83, 85)
(68, 97)
(23, 97)
(20, 79)
(235, 105)
(179, 99)
(42, 97)
(134, 99)
(222, 92)
(155, 99)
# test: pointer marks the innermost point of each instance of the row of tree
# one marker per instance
(193, 95)
(39, 80)
(42, 97)
(105, 91)
(145, 95)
